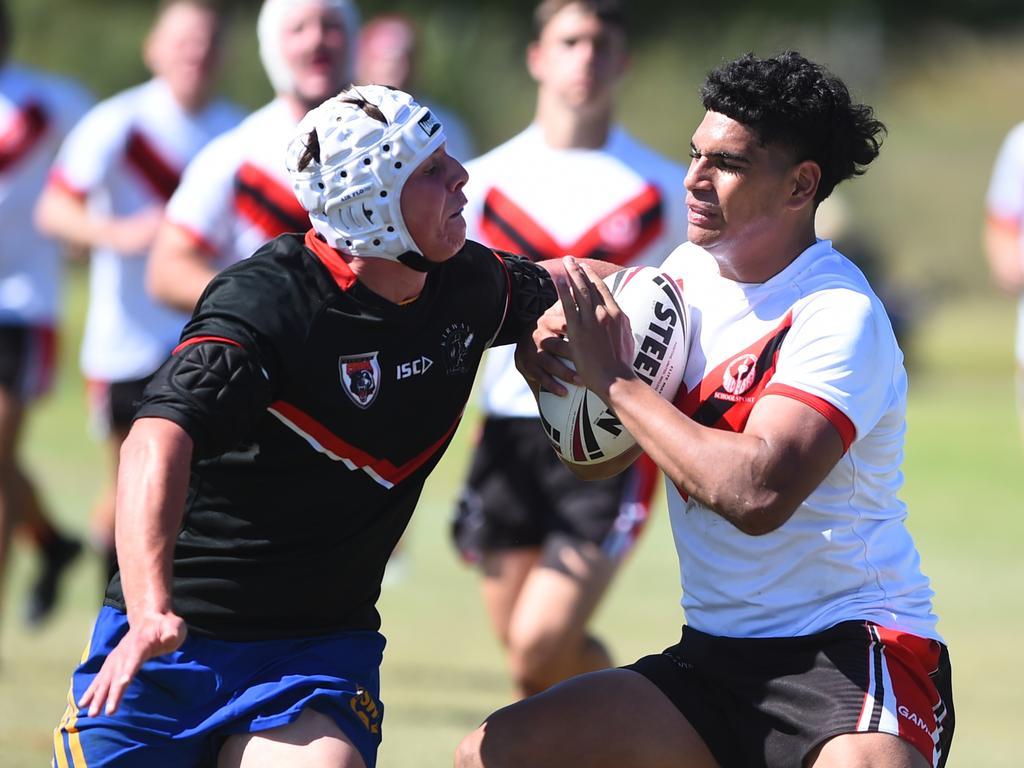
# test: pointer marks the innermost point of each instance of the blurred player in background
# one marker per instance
(109, 185)
(236, 195)
(389, 50)
(573, 182)
(810, 636)
(1004, 238)
(36, 112)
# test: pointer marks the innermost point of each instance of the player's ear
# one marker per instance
(533, 64)
(805, 176)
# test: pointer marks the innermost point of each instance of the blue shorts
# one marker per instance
(182, 706)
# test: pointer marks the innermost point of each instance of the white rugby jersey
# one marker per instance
(1006, 203)
(236, 195)
(622, 203)
(815, 332)
(126, 155)
(36, 112)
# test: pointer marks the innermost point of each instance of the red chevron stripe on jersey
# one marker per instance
(159, 173)
(726, 395)
(21, 134)
(329, 444)
(266, 203)
(619, 237)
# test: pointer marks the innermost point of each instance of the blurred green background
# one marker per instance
(947, 79)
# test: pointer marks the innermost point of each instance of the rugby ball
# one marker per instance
(581, 428)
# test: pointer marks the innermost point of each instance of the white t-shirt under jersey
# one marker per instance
(36, 112)
(622, 203)
(236, 195)
(1006, 204)
(127, 154)
(815, 332)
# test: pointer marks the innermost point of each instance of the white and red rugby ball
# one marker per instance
(582, 429)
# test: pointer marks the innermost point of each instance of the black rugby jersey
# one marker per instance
(287, 533)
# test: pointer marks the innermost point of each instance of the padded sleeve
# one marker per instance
(531, 292)
(213, 389)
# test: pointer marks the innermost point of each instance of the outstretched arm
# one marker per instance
(1005, 259)
(151, 488)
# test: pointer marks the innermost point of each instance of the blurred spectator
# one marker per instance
(1004, 237)
(389, 55)
(573, 182)
(36, 111)
(114, 174)
(236, 194)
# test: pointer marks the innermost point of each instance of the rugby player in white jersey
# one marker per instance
(576, 182)
(236, 195)
(810, 637)
(1004, 238)
(106, 192)
(36, 112)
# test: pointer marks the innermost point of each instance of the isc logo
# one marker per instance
(415, 368)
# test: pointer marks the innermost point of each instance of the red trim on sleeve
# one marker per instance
(1009, 224)
(839, 419)
(195, 237)
(200, 339)
(56, 178)
(332, 259)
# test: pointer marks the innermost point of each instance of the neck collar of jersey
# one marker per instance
(330, 258)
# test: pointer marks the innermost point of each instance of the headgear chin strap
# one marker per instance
(348, 161)
(269, 28)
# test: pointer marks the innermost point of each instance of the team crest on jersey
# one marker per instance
(739, 374)
(455, 342)
(360, 377)
(620, 230)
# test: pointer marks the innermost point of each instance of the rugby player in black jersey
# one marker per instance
(278, 454)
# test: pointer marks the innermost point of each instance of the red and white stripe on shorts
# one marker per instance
(901, 698)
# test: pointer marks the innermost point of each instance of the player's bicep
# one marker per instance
(803, 439)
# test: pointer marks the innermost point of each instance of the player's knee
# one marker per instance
(534, 661)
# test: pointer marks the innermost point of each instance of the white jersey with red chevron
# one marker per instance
(1005, 202)
(126, 155)
(817, 333)
(36, 112)
(236, 195)
(622, 203)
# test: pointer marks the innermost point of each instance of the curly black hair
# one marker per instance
(790, 101)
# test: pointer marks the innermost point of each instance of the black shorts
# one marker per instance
(770, 701)
(113, 404)
(518, 493)
(28, 356)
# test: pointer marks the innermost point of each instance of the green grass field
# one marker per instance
(443, 672)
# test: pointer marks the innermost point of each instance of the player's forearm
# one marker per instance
(152, 484)
(62, 215)
(1006, 262)
(725, 471)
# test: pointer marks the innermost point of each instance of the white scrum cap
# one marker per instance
(348, 168)
(268, 30)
